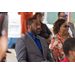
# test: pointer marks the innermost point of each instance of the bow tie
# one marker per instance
(35, 37)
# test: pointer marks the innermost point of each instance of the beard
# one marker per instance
(35, 31)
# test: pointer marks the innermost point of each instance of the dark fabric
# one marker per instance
(27, 50)
(45, 32)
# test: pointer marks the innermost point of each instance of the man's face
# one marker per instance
(63, 14)
(72, 56)
(35, 27)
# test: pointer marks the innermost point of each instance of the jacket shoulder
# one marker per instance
(41, 37)
(70, 23)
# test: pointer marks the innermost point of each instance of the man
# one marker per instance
(63, 15)
(31, 47)
(69, 50)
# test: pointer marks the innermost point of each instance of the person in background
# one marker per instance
(63, 15)
(60, 30)
(3, 36)
(24, 17)
(45, 32)
(6, 24)
(69, 50)
(31, 47)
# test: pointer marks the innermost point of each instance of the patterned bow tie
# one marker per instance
(35, 37)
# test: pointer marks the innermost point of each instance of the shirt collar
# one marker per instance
(34, 37)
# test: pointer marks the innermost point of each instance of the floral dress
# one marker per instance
(57, 47)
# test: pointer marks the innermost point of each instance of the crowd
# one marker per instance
(38, 45)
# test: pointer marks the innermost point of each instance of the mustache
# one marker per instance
(38, 29)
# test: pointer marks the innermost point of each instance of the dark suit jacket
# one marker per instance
(27, 50)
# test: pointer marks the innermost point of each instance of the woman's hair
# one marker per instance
(3, 22)
(37, 13)
(57, 25)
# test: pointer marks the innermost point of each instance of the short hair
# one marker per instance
(37, 13)
(59, 13)
(57, 25)
(30, 21)
(69, 45)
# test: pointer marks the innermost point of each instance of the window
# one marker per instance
(52, 17)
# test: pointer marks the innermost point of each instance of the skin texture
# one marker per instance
(3, 47)
(34, 28)
(61, 14)
(63, 31)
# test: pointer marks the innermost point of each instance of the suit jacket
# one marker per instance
(72, 28)
(27, 50)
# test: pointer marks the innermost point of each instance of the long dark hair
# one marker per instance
(1, 23)
(57, 25)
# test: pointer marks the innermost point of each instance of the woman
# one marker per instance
(45, 32)
(3, 36)
(60, 30)
(24, 17)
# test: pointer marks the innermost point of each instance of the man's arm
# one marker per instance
(20, 51)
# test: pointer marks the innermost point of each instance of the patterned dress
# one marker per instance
(57, 47)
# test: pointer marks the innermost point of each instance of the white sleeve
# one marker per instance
(70, 32)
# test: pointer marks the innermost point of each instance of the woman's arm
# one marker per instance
(54, 46)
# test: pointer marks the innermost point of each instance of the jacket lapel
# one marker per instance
(34, 44)
(43, 46)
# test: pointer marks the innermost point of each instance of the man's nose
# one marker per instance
(39, 26)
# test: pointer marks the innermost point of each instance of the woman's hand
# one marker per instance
(48, 41)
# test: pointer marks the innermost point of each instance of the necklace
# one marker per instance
(64, 36)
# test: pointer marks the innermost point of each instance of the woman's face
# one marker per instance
(39, 17)
(64, 28)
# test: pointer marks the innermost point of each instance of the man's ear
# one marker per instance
(59, 18)
(71, 53)
(28, 26)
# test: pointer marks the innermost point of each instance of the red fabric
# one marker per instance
(24, 17)
(65, 60)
